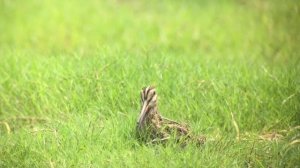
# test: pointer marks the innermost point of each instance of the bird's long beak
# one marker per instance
(142, 116)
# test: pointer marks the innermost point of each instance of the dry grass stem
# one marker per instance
(236, 127)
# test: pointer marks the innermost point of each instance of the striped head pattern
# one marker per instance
(149, 104)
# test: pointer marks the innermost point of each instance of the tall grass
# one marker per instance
(71, 72)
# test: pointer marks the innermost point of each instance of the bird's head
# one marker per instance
(149, 104)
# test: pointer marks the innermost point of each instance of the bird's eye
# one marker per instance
(153, 94)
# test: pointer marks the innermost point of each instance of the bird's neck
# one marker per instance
(153, 114)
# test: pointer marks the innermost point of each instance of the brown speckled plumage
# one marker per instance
(152, 127)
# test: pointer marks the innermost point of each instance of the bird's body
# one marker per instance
(152, 127)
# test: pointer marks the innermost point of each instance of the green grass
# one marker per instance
(71, 72)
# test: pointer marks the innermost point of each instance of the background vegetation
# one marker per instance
(71, 72)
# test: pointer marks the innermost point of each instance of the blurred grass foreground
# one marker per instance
(71, 72)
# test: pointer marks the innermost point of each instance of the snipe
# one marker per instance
(153, 128)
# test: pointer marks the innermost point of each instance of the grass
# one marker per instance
(71, 72)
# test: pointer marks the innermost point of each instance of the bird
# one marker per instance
(152, 127)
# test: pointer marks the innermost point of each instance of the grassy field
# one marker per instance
(71, 73)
